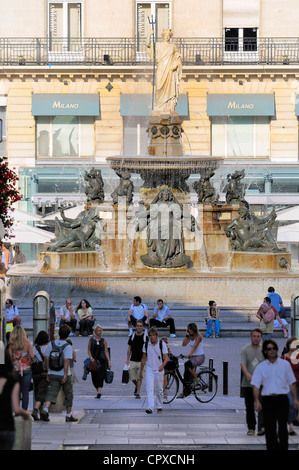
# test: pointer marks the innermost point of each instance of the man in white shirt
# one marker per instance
(276, 377)
(162, 317)
(138, 311)
(67, 316)
(12, 313)
(155, 356)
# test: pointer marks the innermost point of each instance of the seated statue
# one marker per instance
(164, 220)
(206, 193)
(82, 235)
(94, 188)
(124, 189)
(252, 233)
(235, 191)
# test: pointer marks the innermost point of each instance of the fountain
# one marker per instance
(166, 248)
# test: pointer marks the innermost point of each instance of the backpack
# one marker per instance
(56, 358)
(145, 337)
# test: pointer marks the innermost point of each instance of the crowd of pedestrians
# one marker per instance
(48, 365)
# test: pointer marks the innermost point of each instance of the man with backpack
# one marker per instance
(134, 355)
(155, 356)
(57, 359)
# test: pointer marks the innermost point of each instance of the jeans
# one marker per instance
(25, 383)
(210, 328)
(154, 380)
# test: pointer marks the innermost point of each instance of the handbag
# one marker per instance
(37, 366)
(125, 375)
(109, 376)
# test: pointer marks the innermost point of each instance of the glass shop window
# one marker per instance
(65, 136)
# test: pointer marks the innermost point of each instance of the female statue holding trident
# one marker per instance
(168, 72)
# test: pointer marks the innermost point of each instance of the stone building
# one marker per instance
(76, 87)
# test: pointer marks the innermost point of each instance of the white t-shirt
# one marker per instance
(154, 357)
(67, 354)
(66, 313)
(275, 378)
(138, 310)
(162, 313)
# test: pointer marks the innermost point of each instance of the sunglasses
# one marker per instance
(271, 349)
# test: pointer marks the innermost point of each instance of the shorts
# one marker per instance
(54, 388)
(135, 370)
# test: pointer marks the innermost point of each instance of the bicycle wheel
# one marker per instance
(170, 387)
(207, 386)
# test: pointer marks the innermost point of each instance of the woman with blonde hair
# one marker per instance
(21, 353)
(100, 360)
(196, 356)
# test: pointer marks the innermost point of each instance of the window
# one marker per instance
(4, 129)
(65, 25)
(242, 136)
(240, 39)
(135, 136)
(65, 136)
(160, 11)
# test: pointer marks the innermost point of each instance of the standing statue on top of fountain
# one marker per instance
(168, 71)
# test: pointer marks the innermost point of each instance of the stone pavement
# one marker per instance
(118, 420)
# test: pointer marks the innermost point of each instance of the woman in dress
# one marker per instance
(85, 316)
(213, 316)
(21, 353)
(196, 356)
(100, 359)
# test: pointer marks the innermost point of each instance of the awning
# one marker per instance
(292, 213)
(65, 104)
(22, 233)
(141, 105)
(288, 233)
(242, 104)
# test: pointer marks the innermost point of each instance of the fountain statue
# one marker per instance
(171, 247)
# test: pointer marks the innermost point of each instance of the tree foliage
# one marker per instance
(9, 194)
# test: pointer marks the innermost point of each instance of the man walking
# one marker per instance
(276, 378)
(138, 311)
(57, 362)
(155, 356)
(134, 355)
(162, 317)
(251, 356)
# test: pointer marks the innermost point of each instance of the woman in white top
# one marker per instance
(196, 355)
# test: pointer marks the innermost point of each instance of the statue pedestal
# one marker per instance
(259, 262)
(165, 134)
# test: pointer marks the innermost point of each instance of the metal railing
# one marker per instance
(132, 51)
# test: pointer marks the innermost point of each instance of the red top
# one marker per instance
(294, 361)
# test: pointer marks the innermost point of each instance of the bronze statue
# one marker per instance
(235, 191)
(82, 235)
(124, 189)
(252, 233)
(94, 188)
(164, 220)
(206, 193)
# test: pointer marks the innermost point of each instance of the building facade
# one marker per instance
(76, 87)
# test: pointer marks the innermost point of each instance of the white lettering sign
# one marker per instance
(60, 105)
(234, 105)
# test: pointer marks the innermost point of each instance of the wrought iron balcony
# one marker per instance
(132, 51)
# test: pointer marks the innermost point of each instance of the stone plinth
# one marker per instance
(68, 262)
(258, 262)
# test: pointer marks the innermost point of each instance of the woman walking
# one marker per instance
(100, 360)
(21, 353)
(40, 383)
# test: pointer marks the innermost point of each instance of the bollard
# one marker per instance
(225, 378)
(23, 433)
(41, 313)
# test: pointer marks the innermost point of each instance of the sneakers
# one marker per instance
(71, 419)
(137, 395)
(148, 411)
(159, 410)
(172, 335)
(44, 416)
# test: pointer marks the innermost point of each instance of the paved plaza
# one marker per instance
(118, 420)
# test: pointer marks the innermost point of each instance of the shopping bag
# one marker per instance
(125, 376)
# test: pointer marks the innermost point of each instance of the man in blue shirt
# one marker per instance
(276, 301)
(162, 317)
(138, 311)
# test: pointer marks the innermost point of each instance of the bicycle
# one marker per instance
(204, 392)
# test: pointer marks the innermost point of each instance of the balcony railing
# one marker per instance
(132, 51)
